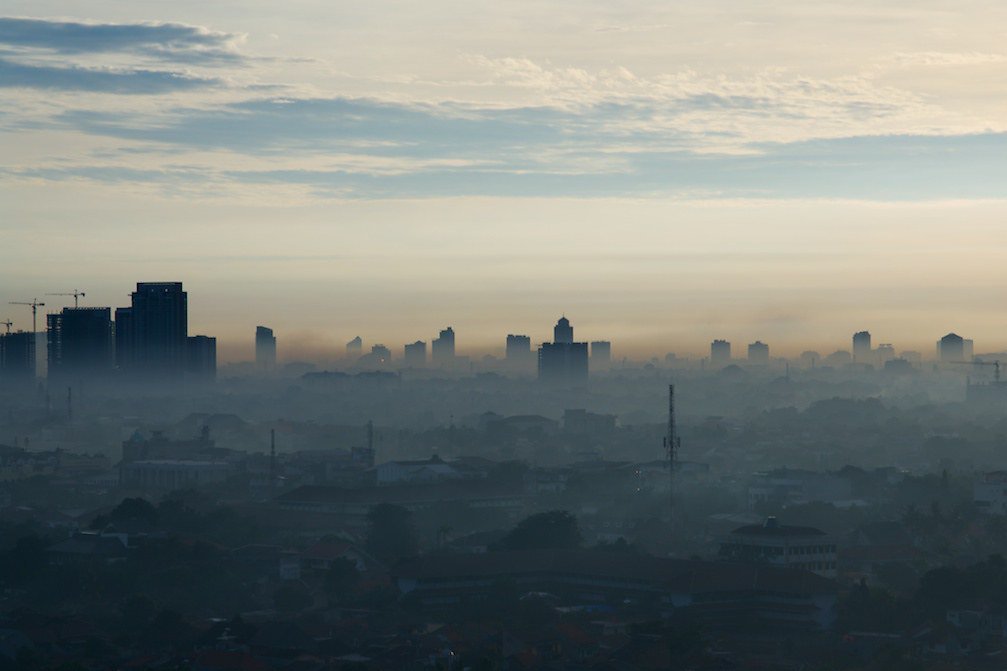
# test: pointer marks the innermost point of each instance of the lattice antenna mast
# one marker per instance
(672, 443)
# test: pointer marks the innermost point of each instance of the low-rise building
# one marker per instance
(773, 543)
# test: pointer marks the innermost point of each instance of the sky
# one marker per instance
(662, 173)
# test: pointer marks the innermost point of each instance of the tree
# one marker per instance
(341, 578)
(291, 598)
(554, 530)
(391, 534)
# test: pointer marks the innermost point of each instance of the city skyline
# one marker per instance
(672, 173)
(331, 347)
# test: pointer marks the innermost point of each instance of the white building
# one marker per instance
(780, 545)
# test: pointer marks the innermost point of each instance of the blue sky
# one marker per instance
(380, 133)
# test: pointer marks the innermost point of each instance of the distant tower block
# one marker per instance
(862, 352)
(720, 353)
(265, 348)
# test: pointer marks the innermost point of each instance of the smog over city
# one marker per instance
(503, 336)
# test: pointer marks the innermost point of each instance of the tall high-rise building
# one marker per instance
(380, 354)
(968, 349)
(518, 352)
(17, 356)
(562, 332)
(564, 361)
(265, 348)
(79, 342)
(442, 349)
(154, 331)
(354, 347)
(758, 352)
(601, 353)
(720, 353)
(415, 354)
(862, 352)
(884, 353)
(201, 356)
(951, 348)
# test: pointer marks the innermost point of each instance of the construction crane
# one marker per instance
(8, 324)
(76, 293)
(35, 305)
(995, 364)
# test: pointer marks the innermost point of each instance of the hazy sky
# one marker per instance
(663, 173)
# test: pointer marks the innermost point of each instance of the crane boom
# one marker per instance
(995, 364)
(76, 293)
(34, 305)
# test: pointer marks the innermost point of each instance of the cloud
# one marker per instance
(70, 78)
(163, 41)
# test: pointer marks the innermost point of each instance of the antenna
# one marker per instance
(672, 443)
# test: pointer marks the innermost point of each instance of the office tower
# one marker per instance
(381, 354)
(862, 347)
(442, 349)
(951, 348)
(201, 356)
(720, 353)
(79, 342)
(562, 332)
(758, 352)
(884, 353)
(565, 361)
(265, 348)
(968, 349)
(601, 353)
(415, 354)
(354, 347)
(152, 335)
(17, 356)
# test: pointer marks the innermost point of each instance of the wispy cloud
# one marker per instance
(95, 80)
(165, 41)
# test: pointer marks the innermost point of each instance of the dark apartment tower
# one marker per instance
(442, 349)
(720, 353)
(79, 342)
(518, 352)
(355, 347)
(562, 332)
(17, 357)
(265, 348)
(154, 330)
(862, 352)
(601, 352)
(951, 348)
(201, 356)
(758, 353)
(415, 354)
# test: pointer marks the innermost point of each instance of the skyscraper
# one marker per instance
(154, 330)
(951, 348)
(518, 352)
(354, 347)
(564, 361)
(720, 353)
(562, 332)
(201, 356)
(79, 342)
(442, 349)
(758, 352)
(601, 353)
(17, 357)
(415, 354)
(265, 348)
(862, 352)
